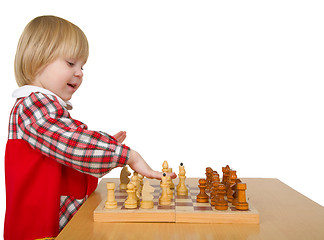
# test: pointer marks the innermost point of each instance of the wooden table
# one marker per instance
(284, 214)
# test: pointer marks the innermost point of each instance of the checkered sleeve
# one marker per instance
(48, 127)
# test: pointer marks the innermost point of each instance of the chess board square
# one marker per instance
(184, 208)
(194, 192)
(120, 197)
(196, 204)
(183, 197)
(203, 208)
(179, 200)
(182, 204)
(168, 207)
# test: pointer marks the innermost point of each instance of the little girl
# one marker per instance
(52, 161)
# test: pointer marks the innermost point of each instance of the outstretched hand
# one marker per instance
(138, 164)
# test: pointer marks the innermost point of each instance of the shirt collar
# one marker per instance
(26, 90)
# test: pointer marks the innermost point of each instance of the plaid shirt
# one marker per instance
(42, 121)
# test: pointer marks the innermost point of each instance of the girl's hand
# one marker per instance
(138, 164)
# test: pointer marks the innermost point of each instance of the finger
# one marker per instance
(158, 175)
(117, 135)
(122, 137)
(172, 175)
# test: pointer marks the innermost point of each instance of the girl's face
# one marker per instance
(62, 77)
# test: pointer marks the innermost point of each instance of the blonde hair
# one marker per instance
(43, 40)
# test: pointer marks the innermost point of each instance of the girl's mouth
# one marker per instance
(72, 86)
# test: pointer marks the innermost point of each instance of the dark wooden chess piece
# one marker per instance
(241, 197)
(202, 197)
(221, 203)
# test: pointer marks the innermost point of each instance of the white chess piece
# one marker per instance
(111, 203)
(182, 190)
(164, 199)
(147, 197)
(131, 201)
(124, 180)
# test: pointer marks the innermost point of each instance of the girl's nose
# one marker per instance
(79, 73)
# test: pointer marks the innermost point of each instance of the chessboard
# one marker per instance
(183, 209)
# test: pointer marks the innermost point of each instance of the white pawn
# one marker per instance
(131, 201)
(135, 182)
(140, 180)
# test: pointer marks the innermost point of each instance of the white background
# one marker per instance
(206, 83)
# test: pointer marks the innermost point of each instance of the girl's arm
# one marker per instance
(48, 128)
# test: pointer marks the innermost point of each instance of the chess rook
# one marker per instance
(111, 203)
(241, 197)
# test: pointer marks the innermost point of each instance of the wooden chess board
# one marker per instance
(183, 209)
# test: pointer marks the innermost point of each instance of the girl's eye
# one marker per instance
(70, 63)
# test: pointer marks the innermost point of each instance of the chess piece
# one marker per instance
(231, 183)
(111, 203)
(241, 198)
(170, 192)
(124, 180)
(225, 171)
(215, 178)
(213, 193)
(202, 197)
(131, 201)
(215, 182)
(182, 190)
(136, 183)
(140, 180)
(209, 171)
(171, 183)
(165, 167)
(235, 195)
(147, 197)
(221, 203)
(164, 198)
